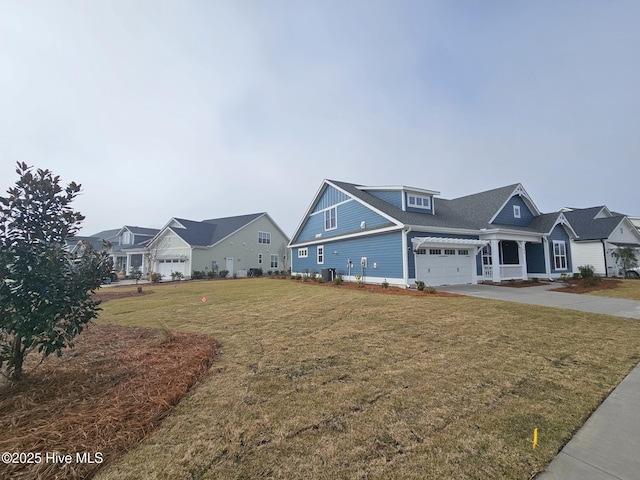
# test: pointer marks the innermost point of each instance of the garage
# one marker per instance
(170, 265)
(446, 261)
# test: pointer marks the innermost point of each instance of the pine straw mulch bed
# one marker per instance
(103, 396)
(586, 285)
(369, 288)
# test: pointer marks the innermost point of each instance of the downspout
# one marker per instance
(604, 254)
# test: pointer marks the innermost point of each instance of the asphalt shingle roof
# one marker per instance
(471, 212)
(588, 227)
(210, 232)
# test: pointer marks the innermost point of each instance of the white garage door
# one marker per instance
(445, 266)
(166, 267)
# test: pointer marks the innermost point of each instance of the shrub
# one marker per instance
(420, 285)
(385, 284)
(319, 279)
(359, 280)
(224, 273)
(197, 275)
(337, 280)
(429, 289)
(211, 274)
(298, 276)
(156, 277)
(176, 276)
(587, 271)
(270, 272)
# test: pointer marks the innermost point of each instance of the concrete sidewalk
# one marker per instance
(607, 446)
(541, 295)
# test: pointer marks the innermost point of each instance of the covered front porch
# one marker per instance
(504, 259)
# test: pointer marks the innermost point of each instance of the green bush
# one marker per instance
(337, 280)
(176, 276)
(224, 273)
(156, 277)
(429, 289)
(197, 275)
(420, 285)
(587, 271)
(385, 284)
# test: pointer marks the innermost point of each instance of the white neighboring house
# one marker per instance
(239, 245)
(600, 232)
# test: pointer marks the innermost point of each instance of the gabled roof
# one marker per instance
(471, 212)
(107, 234)
(588, 227)
(150, 232)
(209, 232)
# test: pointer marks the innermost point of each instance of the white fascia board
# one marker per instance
(307, 213)
(324, 240)
(503, 234)
(371, 207)
(520, 191)
(632, 228)
(422, 191)
(562, 220)
(453, 231)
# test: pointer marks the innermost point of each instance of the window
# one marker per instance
(303, 252)
(516, 211)
(486, 255)
(330, 218)
(260, 259)
(449, 252)
(421, 251)
(559, 255)
(127, 238)
(463, 252)
(274, 260)
(435, 251)
(419, 202)
(264, 237)
(320, 254)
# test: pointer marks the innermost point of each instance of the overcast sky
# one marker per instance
(202, 109)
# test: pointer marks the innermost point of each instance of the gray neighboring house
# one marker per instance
(129, 248)
(235, 244)
(600, 232)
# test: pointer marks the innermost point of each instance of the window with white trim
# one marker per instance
(559, 255)
(416, 201)
(463, 252)
(260, 259)
(264, 238)
(421, 251)
(303, 252)
(331, 218)
(320, 254)
(274, 260)
(435, 251)
(516, 211)
(448, 251)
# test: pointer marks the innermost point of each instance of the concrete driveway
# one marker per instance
(606, 447)
(541, 295)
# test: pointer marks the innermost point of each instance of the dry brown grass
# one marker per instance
(625, 289)
(336, 383)
(103, 397)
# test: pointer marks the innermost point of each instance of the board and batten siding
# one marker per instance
(349, 218)
(506, 215)
(559, 233)
(329, 197)
(383, 250)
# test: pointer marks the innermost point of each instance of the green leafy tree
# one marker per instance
(625, 257)
(45, 292)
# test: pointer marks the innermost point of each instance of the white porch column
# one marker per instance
(522, 258)
(547, 260)
(128, 269)
(495, 260)
(405, 257)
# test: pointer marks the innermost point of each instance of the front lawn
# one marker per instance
(324, 382)
(625, 289)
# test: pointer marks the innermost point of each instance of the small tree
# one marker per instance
(45, 296)
(625, 257)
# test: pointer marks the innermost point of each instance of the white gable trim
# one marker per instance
(522, 193)
(322, 240)
(562, 220)
(370, 207)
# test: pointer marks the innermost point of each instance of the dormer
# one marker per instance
(408, 199)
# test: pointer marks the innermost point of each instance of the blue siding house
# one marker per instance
(403, 234)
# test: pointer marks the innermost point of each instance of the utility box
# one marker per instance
(328, 274)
